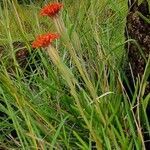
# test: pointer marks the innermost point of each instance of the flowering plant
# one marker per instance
(51, 10)
(44, 40)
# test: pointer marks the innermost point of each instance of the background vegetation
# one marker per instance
(40, 107)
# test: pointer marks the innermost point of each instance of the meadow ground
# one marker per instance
(80, 102)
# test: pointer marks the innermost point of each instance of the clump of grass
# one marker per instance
(77, 100)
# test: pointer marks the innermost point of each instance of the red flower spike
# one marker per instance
(44, 40)
(51, 10)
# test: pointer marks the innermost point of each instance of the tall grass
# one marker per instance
(74, 98)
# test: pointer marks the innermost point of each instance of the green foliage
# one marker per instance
(79, 102)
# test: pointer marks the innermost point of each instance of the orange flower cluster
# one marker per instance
(51, 10)
(44, 40)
